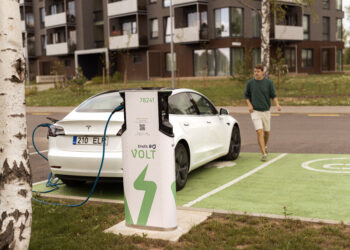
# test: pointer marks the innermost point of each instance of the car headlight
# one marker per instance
(55, 131)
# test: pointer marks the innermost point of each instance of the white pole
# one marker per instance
(172, 44)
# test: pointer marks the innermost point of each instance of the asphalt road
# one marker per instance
(290, 133)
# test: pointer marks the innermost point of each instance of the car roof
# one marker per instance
(174, 91)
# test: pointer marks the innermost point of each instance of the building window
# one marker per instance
(237, 60)
(166, 3)
(307, 58)
(339, 5)
(71, 8)
(222, 62)
(129, 28)
(306, 27)
(236, 22)
(168, 62)
(256, 19)
(192, 19)
(53, 9)
(137, 59)
(229, 22)
(256, 56)
(222, 22)
(339, 32)
(339, 60)
(289, 55)
(67, 63)
(154, 28)
(42, 17)
(167, 28)
(325, 28)
(43, 42)
(204, 63)
(325, 4)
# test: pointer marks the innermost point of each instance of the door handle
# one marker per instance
(186, 124)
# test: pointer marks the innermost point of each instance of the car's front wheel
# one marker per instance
(182, 164)
(235, 145)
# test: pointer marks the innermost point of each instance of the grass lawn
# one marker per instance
(294, 90)
(82, 228)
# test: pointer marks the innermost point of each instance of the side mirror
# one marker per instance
(223, 111)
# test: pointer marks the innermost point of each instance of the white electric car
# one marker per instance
(202, 134)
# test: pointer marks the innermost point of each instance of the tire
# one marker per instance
(182, 164)
(72, 183)
(235, 145)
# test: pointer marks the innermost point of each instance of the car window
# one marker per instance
(102, 103)
(180, 104)
(204, 106)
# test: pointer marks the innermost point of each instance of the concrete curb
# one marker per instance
(217, 211)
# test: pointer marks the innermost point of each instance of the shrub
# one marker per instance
(117, 77)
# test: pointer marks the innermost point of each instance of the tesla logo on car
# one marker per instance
(88, 127)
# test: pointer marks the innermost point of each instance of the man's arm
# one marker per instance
(250, 106)
(279, 108)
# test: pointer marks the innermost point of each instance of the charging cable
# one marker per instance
(55, 185)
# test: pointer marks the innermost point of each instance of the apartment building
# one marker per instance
(211, 37)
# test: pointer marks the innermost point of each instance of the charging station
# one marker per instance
(148, 160)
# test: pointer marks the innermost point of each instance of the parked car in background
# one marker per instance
(202, 134)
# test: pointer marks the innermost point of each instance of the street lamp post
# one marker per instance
(172, 45)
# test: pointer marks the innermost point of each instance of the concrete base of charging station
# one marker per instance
(186, 219)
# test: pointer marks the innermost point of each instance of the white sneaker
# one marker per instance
(264, 157)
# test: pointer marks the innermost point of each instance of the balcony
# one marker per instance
(185, 2)
(117, 8)
(124, 41)
(58, 49)
(59, 19)
(190, 34)
(25, 2)
(286, 32)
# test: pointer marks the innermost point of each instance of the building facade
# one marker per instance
(211, 37)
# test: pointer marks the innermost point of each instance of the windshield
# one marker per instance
(101, 103)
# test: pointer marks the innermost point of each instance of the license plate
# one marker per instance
(88, 140)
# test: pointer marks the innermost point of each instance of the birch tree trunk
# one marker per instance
(265, 35)
(15, 174)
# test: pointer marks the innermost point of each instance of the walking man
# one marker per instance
(258, 94)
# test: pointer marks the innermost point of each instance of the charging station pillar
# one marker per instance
(148, 160)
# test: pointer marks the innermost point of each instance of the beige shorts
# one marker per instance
(261, 120)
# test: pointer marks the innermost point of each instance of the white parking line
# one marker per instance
(34, 153)
(234, 181)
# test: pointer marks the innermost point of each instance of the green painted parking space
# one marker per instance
(320, 189)
(306, 185)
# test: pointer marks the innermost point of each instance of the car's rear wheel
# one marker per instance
(235, 145)
(72, 183)
(182, 164)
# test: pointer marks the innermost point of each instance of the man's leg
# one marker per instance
(261, 140)
(266, 137)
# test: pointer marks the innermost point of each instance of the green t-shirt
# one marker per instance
(260, 92)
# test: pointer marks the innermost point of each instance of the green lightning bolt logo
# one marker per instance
(150, 189)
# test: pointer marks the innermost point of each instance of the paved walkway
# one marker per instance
(234, 109)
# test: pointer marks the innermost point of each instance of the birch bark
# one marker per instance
(15, 174)
(265, 35)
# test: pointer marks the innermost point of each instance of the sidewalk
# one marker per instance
(232, 109)
(296, 110)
